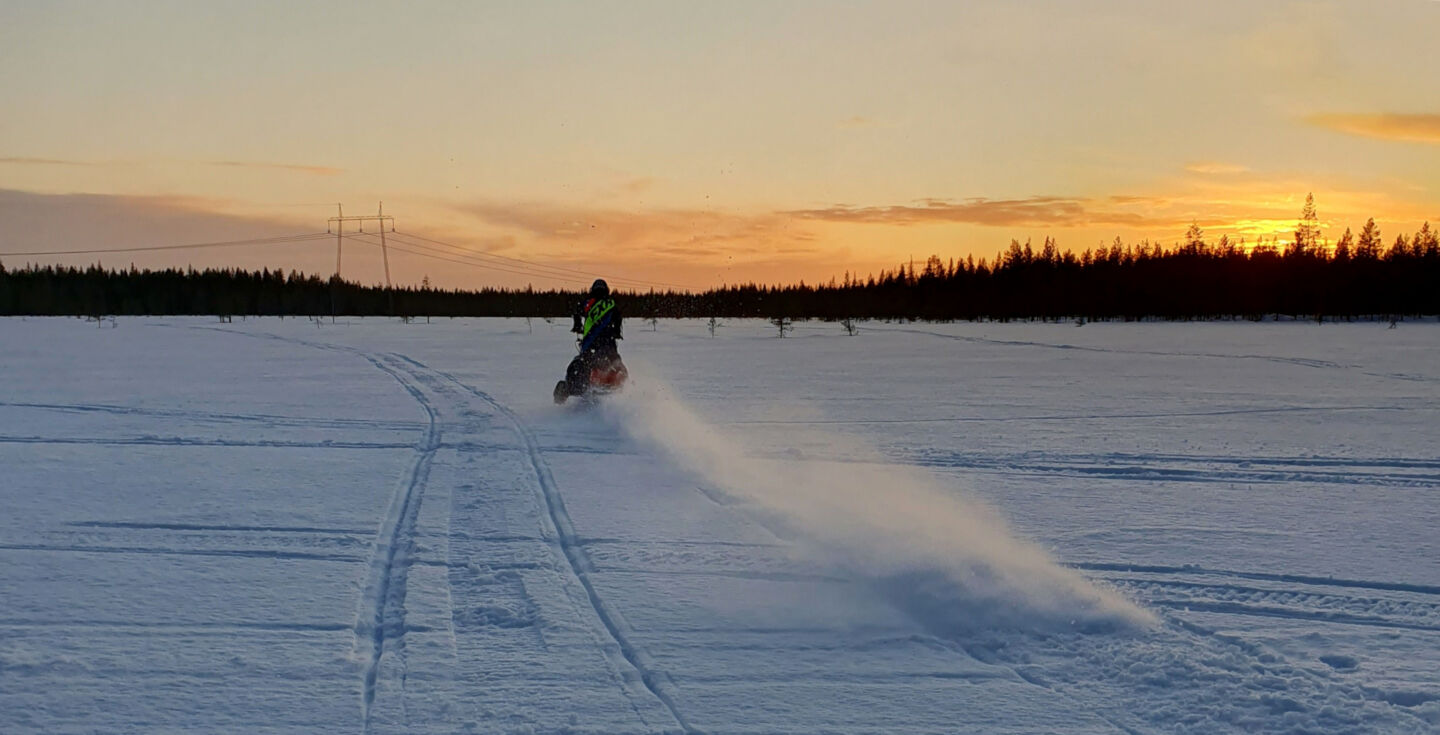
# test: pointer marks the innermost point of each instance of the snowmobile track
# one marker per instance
(385, 594)
(573, 547)
(380, 622)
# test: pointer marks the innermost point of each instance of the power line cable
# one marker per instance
(461, 255)
(508, 265)
(469, 257)
(189, 246)
(533, 264)
(472, 263)
(478, 260)
(569, 272)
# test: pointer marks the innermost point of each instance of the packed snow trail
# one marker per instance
(569, 542)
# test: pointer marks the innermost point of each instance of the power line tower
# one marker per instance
(337, 224)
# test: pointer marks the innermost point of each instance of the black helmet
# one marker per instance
(600, 288)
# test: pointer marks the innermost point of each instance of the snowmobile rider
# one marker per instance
(597, 321)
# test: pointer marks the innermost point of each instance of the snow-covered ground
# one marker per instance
(273, 527)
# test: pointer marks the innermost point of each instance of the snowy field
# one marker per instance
(375, 527)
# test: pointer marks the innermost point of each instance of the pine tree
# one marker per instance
(1194, 239)
(1343, 247)
(1398, 249)
(1307, 231)
(1426, 242)
(1368, 246)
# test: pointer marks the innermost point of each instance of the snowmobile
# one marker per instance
(597, 370)
(607, 375)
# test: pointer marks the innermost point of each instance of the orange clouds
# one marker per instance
(1029, 212)
(704, 246)
(634, 235)
(1409, 128)
(1215, 168)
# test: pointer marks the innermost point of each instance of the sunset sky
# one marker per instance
(701, 143)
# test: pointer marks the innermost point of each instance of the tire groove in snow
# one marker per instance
(573, 549)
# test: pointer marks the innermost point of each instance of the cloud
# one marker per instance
(295, 167)
(24, 161)
(1040, 211)
(52, 222)
(1385, 126)
(601, 234)
(1215, 168)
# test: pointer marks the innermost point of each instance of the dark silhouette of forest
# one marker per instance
(1356, 277)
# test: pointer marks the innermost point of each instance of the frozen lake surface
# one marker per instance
(375, 527)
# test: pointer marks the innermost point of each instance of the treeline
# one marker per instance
(96, 291)
(1303, 278)
(1357, 277)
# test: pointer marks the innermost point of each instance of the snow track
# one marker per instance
(380, 626)
(573, 551)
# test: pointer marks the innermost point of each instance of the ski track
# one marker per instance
(145, 625)
(178, 441)
(270, 420)
(573, 549)
(247, 553)
(218, 527)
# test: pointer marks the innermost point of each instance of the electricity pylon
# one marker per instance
(338, 225)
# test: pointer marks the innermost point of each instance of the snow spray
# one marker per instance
(946, 559)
